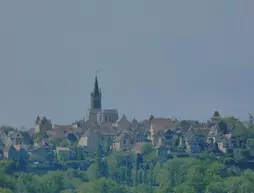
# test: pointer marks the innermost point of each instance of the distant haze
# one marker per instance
(167, 58)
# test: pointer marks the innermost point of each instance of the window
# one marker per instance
(132, 141)
(124, 141)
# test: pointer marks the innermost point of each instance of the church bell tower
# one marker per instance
(96, 96)
(95, 106)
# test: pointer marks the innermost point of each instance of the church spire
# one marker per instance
(96, 95)
(96, 90)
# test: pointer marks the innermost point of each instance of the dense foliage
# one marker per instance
(129, 173)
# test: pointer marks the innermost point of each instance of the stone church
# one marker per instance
(97, 115)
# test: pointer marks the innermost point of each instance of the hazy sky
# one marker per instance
(168, 58)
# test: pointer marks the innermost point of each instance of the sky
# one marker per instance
(182, 59)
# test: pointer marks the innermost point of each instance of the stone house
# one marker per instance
(27, 139)
(124, 142)
(128, 138)
(191, 141)
(13, 149)
(100, 134)
(161, 124)
(122, 124)
(88, 141)
(135, 124)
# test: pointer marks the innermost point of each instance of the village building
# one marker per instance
(42, 125)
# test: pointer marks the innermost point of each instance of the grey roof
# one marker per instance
(15, 134)
(190, 135)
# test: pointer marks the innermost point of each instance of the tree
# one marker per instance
(5, 190)
(146, 148)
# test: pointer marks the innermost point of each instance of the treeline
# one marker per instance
(129, 173)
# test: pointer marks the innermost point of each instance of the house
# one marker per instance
(27, 139)
(15, 153)
(103, 134)
(192, 145)
(161, 124)
(123, 142)
(228, 136)
(122, 124)
(134, 124)
(165, 137)
(61, 130)
(89, 140)
(14, 149)
(106, 135)
(128, 138)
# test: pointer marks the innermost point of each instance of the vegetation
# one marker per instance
(124, 172)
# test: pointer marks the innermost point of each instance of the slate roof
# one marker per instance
(134, 123)
(71, 136)
(190, 136)
(66, 128)
(15, 134)
(27, 139)
(60, 131)
(163, 124)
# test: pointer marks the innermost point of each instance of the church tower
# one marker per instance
(95, 106)
(96, 96)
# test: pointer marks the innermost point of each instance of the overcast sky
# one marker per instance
(168, 58)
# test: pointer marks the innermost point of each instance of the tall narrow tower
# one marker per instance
(96, 96)
(95, 106)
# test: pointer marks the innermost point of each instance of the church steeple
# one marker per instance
(96, 87)
(96, 96)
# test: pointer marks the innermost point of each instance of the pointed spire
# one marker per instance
(96, 90)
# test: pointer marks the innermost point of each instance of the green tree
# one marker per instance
(5, 190)
(147, 148)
